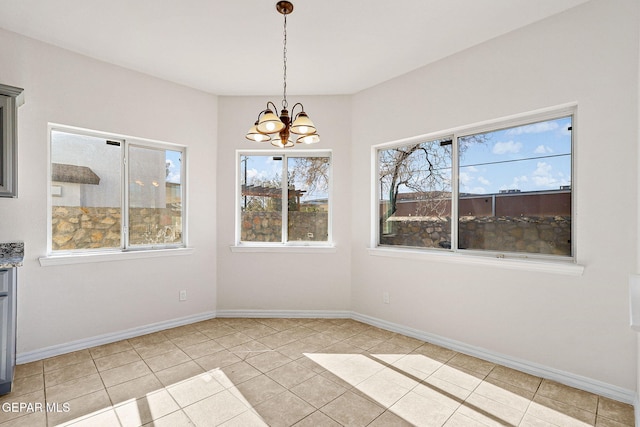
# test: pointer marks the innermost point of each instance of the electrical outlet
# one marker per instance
(385, 297)
(183, 295)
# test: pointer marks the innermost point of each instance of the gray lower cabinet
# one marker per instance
(7, 328)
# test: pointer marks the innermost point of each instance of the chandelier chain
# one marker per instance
(284, 66)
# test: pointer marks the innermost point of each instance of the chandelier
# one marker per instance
(279, 130)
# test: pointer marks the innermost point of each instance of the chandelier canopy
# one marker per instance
(279, 130)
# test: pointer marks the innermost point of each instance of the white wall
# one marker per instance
(284, 281)
(61, 304)
(578, 325)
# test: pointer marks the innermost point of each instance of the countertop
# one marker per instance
(11, 254)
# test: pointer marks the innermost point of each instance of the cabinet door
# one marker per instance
(4, 282)
(5, 346)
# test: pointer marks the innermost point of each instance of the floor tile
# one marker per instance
(515, 378)
(175, 419)
(259, 389)
(195, 389)
(188, 340)
(389, 419)
(569, 395)
(473, 364)
(217, 360)
(109, 349)
(115, 360)
(143, 410)
(284, 409)
(421, 411)
(203, 348)
(215, 410)
(105, 418)
(349, 409)
(66, 359)
(616, 411)
(246, 419)
(124, 373)
(134, 389)
(70, 372)
(25, 385)
(167, 360)
(240, 372)
(318, 390)
(79, 407)
(317, 419)
(28, 369)
(156, 349)
(178, 373)
(268, 361)
(10, 414)
(560, 414)
(490, 412)
(66, 391)
(291, 374)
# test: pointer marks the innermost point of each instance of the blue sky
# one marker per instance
(173, 159)
(526, 158)
(263, 168)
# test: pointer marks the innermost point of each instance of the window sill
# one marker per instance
(568, 268)
(65, 259)
(285, 249)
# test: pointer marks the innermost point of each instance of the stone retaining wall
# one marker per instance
(544, 235)
(267, 226)
(75, 227)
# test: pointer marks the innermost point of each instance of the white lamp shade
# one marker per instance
(278, 143)
(254, 135)
(302, 125)
(270, 123)
(309, 139)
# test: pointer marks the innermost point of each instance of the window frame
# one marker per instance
(567, 110)
(284, 244)
(137, 251)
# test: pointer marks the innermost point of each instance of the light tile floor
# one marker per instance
(285, 372)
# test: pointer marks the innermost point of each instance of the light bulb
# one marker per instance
(270, 126)
(303, 129)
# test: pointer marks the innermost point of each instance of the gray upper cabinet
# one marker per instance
(10, 99)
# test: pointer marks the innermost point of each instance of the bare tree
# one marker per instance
(423, 169)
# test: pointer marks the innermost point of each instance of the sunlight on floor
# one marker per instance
(207, 399)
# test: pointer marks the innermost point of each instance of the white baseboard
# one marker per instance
(82, 344)
(292, 314)
(593, 386)
(583, 383)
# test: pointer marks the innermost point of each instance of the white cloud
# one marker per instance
(484, 181)
(251, 173)
(465, 178)
(543, 176)
(543, 149)
(507, 147)
(534, 128)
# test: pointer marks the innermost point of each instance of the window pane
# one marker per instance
(308, 211)
(261, 198)
(515, 189)
(155, 196)
(415, 195)
(85, 192)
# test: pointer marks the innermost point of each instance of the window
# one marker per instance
(513, 193)
(112, 193)
(284, 198)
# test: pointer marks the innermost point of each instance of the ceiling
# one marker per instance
(235, 47)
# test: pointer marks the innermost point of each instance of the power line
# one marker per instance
(516, 160)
